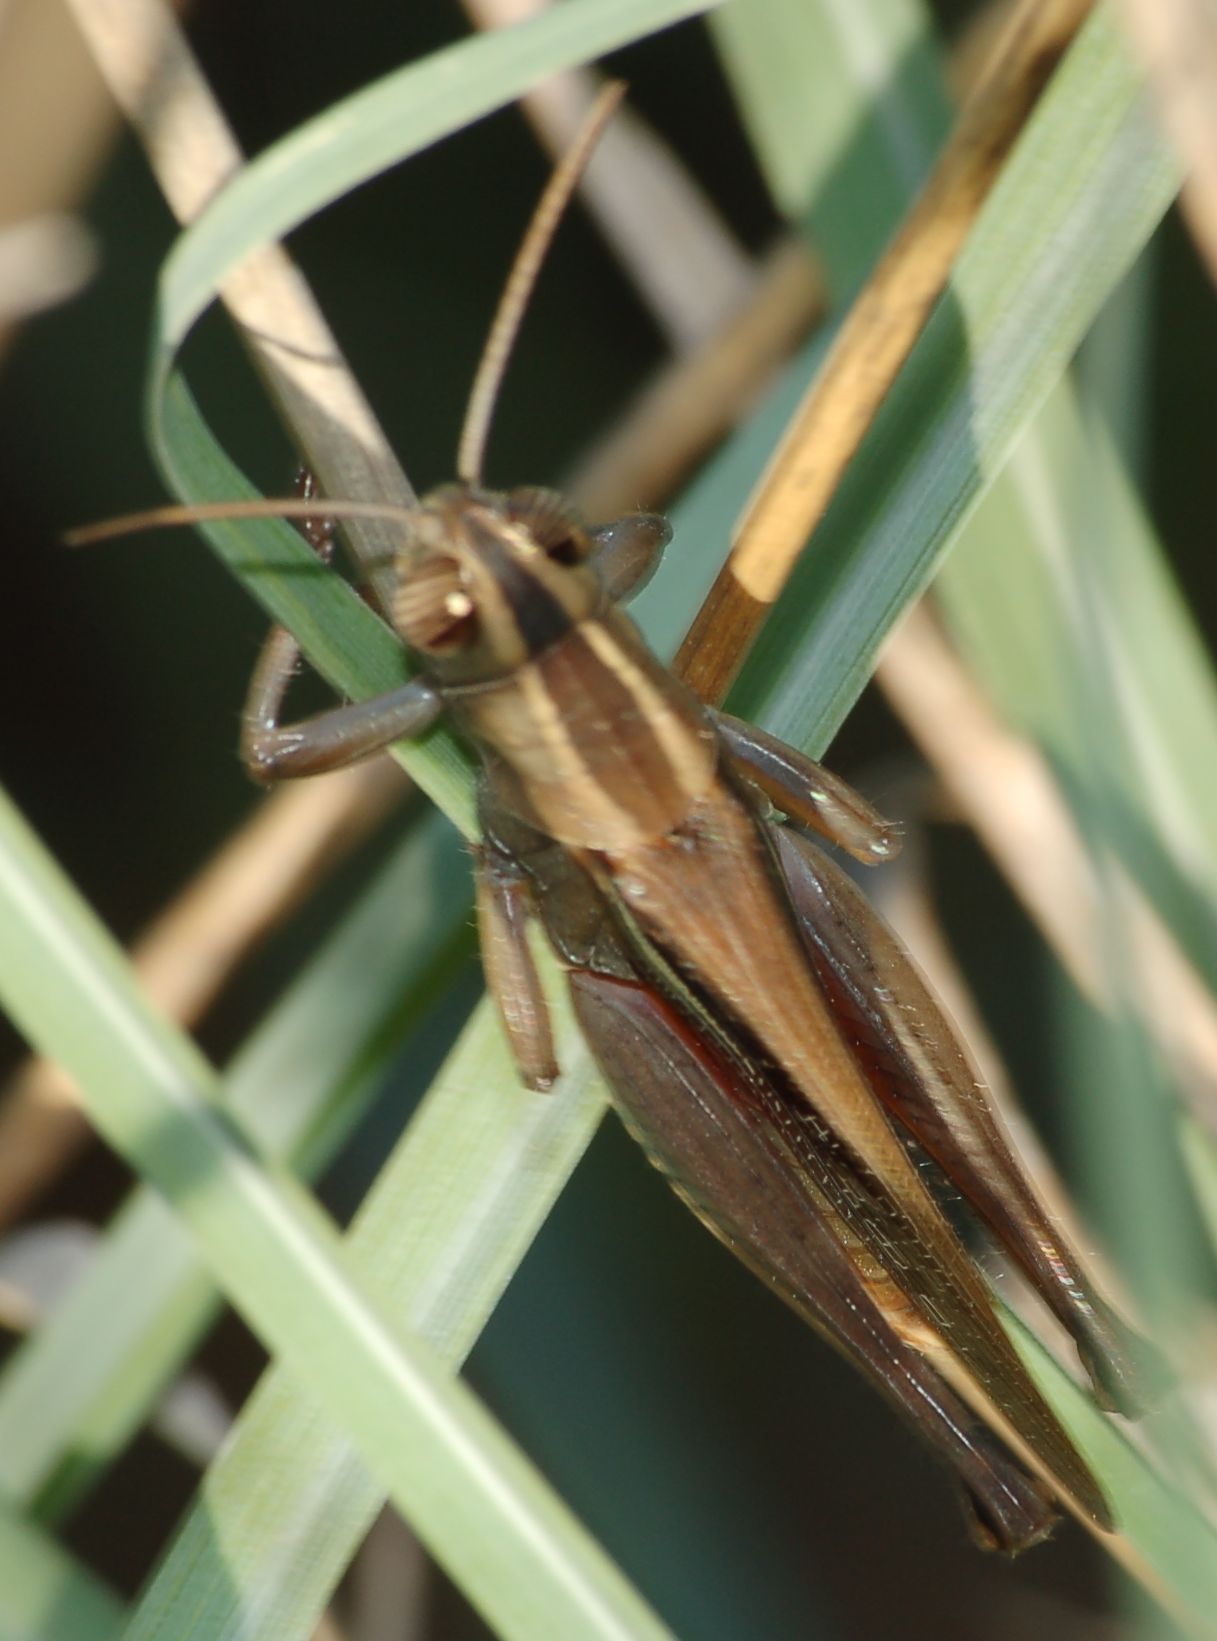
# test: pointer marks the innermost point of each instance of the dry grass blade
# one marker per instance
(1177, 40)
(870, 348)
(329, 1629)
(189, 953)
(643, 199)
(1007, 792)
(61, 141)
(390, 1584)
(44, 260)
(699, 398)
(729, 321)
(148, 66)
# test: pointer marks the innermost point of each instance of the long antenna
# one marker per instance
(520, 281)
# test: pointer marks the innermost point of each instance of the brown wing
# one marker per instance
(703, 1120)
(713, 926)
(918, 1068)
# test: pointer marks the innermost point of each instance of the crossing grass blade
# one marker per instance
(80, 1386)
(473, 1497)
(45, 1592)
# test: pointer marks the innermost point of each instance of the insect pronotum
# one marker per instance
(763, 1033)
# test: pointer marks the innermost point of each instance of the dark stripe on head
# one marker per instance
(539, 617)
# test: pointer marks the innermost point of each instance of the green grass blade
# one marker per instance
(441, 1233)
(73, 1394)
(473, 1498)
(1164, 1528)
(44, 1594)
(1113, 370)
(1157, 807)
(1077, 632)
(381, 125)
(339, 635)
(843, 161)
(1200, 1159)
(1084, 188)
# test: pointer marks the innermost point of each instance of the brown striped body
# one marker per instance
(764, 1036)
(592, 741)
(611, 801)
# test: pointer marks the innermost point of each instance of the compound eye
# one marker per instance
(548, 518)
(432, 608)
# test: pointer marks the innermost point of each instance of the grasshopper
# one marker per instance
(763, 1034)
